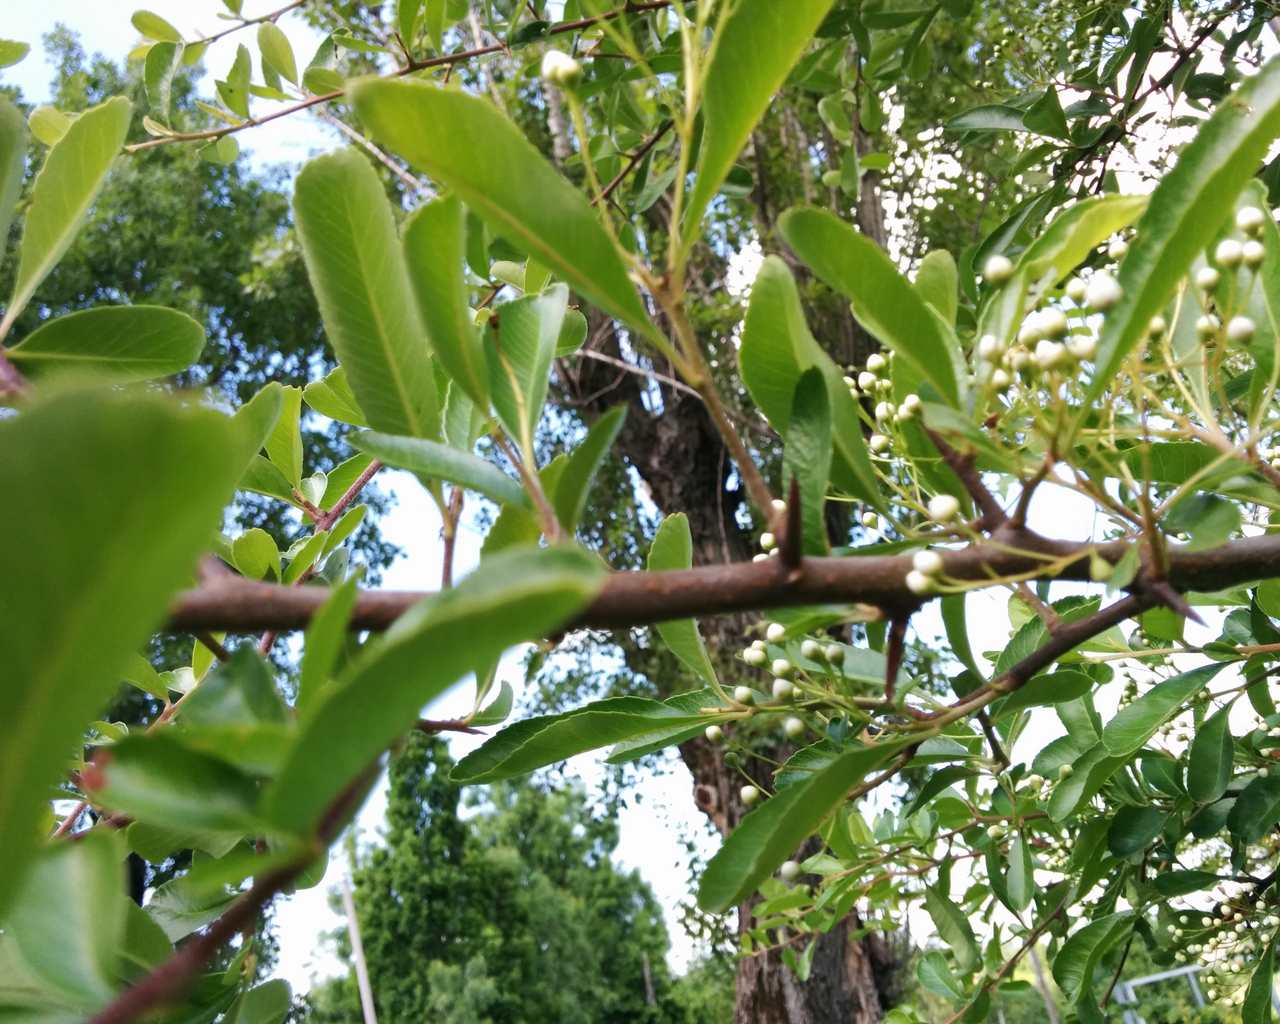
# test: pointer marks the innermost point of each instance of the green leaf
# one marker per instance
(1180, 883)
(671, 735)
(673, 549)
(990, 117)
(464, 142)
(276, 52)
(13, 162)
(86, 581)
(575, 482)
(1256, 809)
(256, 554)
(513, 597)
(238, 691)
(807, 457)
(1076, 961)
(1045, 116)
(357, 270)
(333, 397)
(12, 52)
(1020, 884)
(776, 349)
(162, 63)
(953, 928)
(440, 461)
(755, 47)
(499, 709)
(1185, 212)
(935, 974)
(938, 283)
(1259, 997)
(48, 124)
(1061, 686)
(63, 191)
(1133, 829)
(884, 303)
(435, 247)
(267, 1003)
(519, 355)
(408, 17)
(774, 831)
(1210, 758)
(325, 638)
(284, 444)
(72, 945)
(155, 27)
(116, 343)
(1137, 723)
(234, 89)
(549, 739)
(155, 778)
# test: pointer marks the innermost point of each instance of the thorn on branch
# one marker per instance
(1171, 599)
(791, 552)
(893, 655)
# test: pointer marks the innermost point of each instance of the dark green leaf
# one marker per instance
(1209, 761)
(1133, 829)
(673, 549)
(1256, 809)
(953, 928)
(1137, 723)
(1260, 996)
(575, 482)
(807, 457)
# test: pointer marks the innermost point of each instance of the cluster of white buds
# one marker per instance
(755, 655)
(1076, 289)
(1041, 324)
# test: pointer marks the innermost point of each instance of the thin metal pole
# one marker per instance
(357, 948)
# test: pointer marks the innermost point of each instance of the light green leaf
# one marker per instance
(953, 927)
(86, 582)
(443, 462)
(808, 457)
(1138, 722)
(333, 397)
(284, 445)
(987, 118)
(162, 63)
(118, 343)
(673, 549)
(1210, 758)
(323, 644)
(274, 46)
(263, 478)
(73, 945)
(267, 1003)
(519, 355)
(155, 27)
(464, 142)
(49, 124)
(775, 831)
(755, 47)
(234, 89)
(12, 52)
(435, 247)
(256, 554)
(306, 556)
(575, 482)
(934, 973)
(882, 299)
(13, 162)
(357, 270)
(549, 739)
(408, 17)
(341, 479)
(938, 283)
(514, 597)
(65, 188)
(776, 349)
(1186, 209)
(499, 709)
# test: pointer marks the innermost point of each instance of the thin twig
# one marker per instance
(988, 730)
(213, 645)
(964, 467)
(632, 162)
(246, 22)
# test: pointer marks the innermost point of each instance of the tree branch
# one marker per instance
(964, 466)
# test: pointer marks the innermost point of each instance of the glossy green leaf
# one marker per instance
(1210, 758)
(72, 945)
(1189, 203)
(90, 580)
(498, 710)
(65, 188)
(464, 142)
(807, 456)
(117, 343)
(155, 27)
(435, 247)
(514, 597)
(935, 974)
(774, 831)
(1180, 883)
(575, 482)
(1133, 829)
(268, 1003)
(883, 301)
(776, 349)
(549, 739)
(1055, 688)
(1076, 961)
(953, 928)
(519, 356)
(1136, 723)
(274, 46)
(334, 398)
(1256, 809)
(358, 273)
(342, 478)
(441, 461)
(1259, 998)
(1020, 884)
(671, 735)
(672, 548)
(755, 47)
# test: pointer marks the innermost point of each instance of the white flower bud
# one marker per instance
(869, 519)
(867, 380)
(1076, 290)
(743, 694)
(762, 557)
(559, 68)
(1240, 329)
(1103, 292)
(997, 270)
(834, 654)
(878, 443)
(1156, 326)
(778, 505)
(1053, 322)
(920, 584)
(884, 411)
(783, 689)
(1083, 346)
(911, 406)
(781, 667)
(749, 795)
(811, 649)
(768, 541)
(876, 362)
(752, 656)
(714, 733)
(1050, 354)
(1207, 279)
(1117, 248)
(774, 632)
(995, 831)
(1065, 771)
(943, 508)
(1254, 253)
(1229, 253)
(793, 728)
(1250, 219)
(927, 562)
(1207, 326)
(1000, 380)
(989, 348)
(1031, 331)
(789, 871)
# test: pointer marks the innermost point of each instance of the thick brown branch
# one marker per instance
(641, 598)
